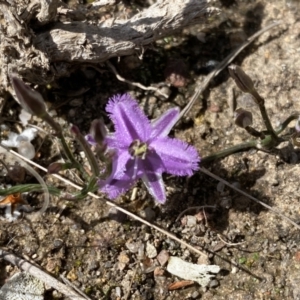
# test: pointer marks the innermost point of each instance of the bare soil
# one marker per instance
(104, 253)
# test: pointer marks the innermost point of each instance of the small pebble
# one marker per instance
(93, 265)
(163, 257)
(133, 247)
(148, 213)
(116, 215)
(118, 291)
(191, 221)
(151, 251)
(213, 283)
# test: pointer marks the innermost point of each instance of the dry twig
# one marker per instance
(137, 84)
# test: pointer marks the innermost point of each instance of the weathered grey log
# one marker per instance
(47, 54)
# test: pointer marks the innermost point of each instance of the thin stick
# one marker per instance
(73, 286)
(137, 84)
(221, 66)
(40, 274)
(205, 171)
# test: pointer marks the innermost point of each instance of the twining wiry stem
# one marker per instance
(285, 123)
(70, 156)
(245, 84)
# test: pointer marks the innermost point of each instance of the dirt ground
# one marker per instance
(110, 256)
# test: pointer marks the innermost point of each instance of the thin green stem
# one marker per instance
(66, 149)
(284, 124)
(267, 142)
(31, 187)
(46, 117)
(87, 150)
(70, 155)
(254, 132)
(266, 120)
(230, 150)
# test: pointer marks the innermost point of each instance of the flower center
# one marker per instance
(138, 149)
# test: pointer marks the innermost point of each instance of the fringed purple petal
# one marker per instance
(120, 164)
(123, 176)
(155, 186)
(162, 155)
(162, 126)
(178, 157)
(152, 163)
(130, 121)
(115, 187)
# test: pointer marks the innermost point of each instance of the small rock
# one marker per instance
(53, 265)
(151, 251)
(57, 243)
(163, 257)
(191, 221)
(72, 275)
(176, 73)
(158, 271)
(133, 247)
(116, 215)
(141, 253)
(118, 291)
(93, 265)
(213, 283)
(123, 257)
(22, 286)
(195, 295)
(148, 213)
(123, 260)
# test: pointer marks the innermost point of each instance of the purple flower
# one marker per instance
(143, 150)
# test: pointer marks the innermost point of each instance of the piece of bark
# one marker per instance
(50, 51)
